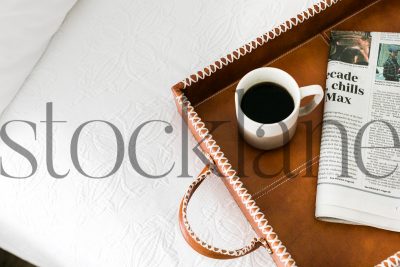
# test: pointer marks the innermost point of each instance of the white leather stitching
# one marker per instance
(259, 41)
(229, 173)
(284, 176)
(238, 252)
(392, 261)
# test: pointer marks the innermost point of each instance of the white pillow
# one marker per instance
(26, 27)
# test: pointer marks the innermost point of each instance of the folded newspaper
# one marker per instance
(359, 172)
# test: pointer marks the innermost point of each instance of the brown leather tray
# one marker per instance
(282, 182)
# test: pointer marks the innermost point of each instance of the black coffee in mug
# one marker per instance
(267, 102)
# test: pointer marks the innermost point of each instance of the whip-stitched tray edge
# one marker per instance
(280, 253)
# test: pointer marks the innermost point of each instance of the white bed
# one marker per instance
(115, 61)
(26, 28)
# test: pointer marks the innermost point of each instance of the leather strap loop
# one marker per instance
(202, 247)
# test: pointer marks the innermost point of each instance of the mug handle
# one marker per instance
(318, 93)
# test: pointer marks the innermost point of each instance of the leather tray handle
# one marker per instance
(202, 247)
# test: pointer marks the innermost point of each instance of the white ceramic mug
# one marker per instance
(270, 136)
